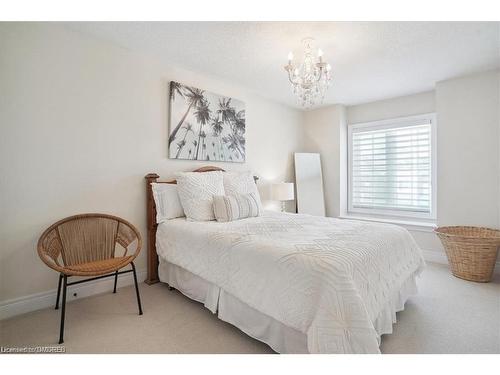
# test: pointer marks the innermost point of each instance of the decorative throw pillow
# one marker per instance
(168, 204)
(196, 192)
(236, 207)
(238, 183)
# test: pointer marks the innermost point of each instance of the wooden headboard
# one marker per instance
(153, 262)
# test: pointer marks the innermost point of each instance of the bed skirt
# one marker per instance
(279, 337)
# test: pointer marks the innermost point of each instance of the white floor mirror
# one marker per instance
(309, 179)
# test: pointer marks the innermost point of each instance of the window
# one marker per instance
(392, 168)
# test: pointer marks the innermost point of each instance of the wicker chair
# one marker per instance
(92, 245)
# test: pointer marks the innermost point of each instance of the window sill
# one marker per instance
(421, 226)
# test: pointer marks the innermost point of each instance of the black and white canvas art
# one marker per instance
(205, 126)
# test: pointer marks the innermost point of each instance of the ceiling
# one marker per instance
(370, 60)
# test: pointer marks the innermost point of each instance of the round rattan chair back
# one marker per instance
(89, 244)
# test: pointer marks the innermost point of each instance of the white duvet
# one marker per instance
(334, 280)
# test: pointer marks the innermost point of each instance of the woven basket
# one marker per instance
(471, 251)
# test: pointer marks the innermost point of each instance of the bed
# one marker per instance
(299, 283)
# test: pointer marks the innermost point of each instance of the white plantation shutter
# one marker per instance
(391, 166)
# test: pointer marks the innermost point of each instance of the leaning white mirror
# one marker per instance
(309, 179)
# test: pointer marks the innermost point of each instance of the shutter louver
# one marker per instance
(391, 168)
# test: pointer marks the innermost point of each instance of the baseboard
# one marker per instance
(38, 301)
(435, 256)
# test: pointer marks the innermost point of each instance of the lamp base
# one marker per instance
(283, 206)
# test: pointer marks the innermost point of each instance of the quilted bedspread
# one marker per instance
(328, 278)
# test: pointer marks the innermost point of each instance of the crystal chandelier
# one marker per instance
(311, 78)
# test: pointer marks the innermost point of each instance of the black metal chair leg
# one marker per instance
(59, 290)
(137, 289)
(116, 279)
(63, 310)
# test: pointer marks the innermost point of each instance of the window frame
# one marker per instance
(398, 122)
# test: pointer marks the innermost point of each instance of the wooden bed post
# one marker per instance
(152, 277)
(153, 261)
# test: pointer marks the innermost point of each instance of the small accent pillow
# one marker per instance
(197, 191)
(168, 204)
(236, 207)
(238, 183)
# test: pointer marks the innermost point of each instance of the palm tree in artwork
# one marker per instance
(202, 114)
(225, 140)
(195, 144)
(239, 129)
(216, 126)
(226, 111)
(204, 146)
(241, 144)
(194, 97)
(176, 88)
(216, 132)
(181, 144)
(203, 137)
(233, 141)
(239, 122)
(225, 115)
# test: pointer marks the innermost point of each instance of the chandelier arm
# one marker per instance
(291, 80)
(320, 75)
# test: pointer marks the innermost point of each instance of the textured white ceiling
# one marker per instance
(370, 60)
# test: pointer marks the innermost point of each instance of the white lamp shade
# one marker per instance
(282, 191)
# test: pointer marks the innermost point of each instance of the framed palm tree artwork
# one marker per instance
(205, 126)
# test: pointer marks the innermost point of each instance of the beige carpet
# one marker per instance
(448, 316)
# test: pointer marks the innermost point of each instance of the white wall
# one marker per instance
(391, 108)
(468, 150)
(468, 156)
(323, 129)
(82, 122)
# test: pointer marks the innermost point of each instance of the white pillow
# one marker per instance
(236, 207)
(196, 192)
(168, 204)
(241, 183)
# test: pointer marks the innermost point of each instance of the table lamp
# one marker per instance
(282, 191)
